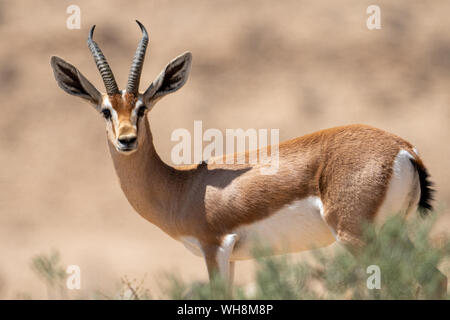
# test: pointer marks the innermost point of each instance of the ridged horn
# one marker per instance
(138, 61)
(102, 65)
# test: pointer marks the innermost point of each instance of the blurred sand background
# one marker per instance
(299, 66)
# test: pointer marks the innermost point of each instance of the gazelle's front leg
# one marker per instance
(218, 259)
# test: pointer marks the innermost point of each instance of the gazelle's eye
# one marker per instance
(106, 114)
(141, 111)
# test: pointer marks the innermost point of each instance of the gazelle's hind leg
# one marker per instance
(401, 197)
(372, 197)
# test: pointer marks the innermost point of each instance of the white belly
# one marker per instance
(296, 227)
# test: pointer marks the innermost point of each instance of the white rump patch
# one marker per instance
(403, 192)
(296, 227)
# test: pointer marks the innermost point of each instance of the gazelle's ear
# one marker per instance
(73, 82)
(172, 78)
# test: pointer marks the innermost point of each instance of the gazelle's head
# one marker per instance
(123, 110)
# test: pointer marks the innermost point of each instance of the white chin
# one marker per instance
(126, 152)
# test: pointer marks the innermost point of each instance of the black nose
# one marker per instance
(127, 140)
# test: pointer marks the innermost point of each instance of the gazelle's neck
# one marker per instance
(147, 181)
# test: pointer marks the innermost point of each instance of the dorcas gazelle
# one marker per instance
(327, 183)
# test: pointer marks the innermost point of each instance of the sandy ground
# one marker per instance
(298, 66)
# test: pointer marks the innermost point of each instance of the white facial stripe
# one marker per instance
(134, 113)
(114, 117)
(139, 103)
(106, 102)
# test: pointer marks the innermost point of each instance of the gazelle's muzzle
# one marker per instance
(126, 137)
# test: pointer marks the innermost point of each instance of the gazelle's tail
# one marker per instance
(426, 187)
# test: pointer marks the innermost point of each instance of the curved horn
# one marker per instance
(138, 61)
(102, 65)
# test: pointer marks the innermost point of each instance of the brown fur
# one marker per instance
(348, 167)
(123, 105)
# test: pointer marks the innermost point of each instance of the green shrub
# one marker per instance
(402, 251)
(49, 269)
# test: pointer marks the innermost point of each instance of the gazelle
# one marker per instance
(327, 184)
